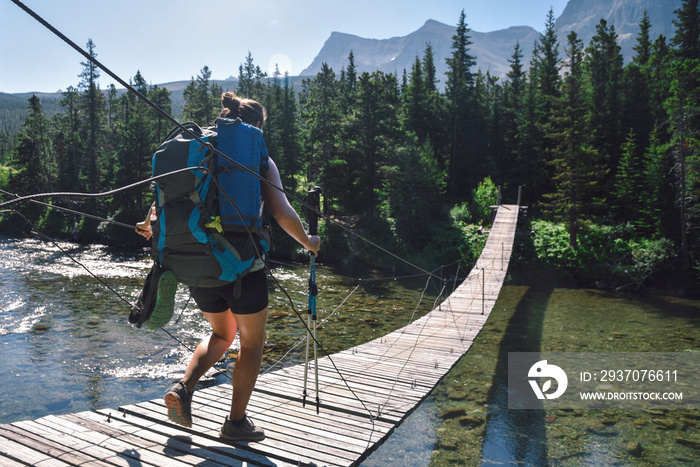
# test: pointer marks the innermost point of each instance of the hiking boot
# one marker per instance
(178, 401)
(165, 301)
(244, 430)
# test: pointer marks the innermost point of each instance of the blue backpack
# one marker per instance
(208, 229)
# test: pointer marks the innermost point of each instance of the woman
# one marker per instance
(246, 314)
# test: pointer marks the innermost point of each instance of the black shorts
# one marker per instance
(219, 299)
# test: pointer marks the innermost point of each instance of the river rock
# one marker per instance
(41, 327)
(446, 441)
(471, 422)
(454, 412)
(635, 449)
(664, 423)
(691, 443)
(687, 422)
(456, 394)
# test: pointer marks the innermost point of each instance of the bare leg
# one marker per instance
(245, 372)
(211, 349)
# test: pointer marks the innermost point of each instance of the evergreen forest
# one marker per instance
(602, 151)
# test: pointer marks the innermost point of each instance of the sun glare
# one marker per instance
(281, 61)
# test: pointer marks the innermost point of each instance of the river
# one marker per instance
(66, 346)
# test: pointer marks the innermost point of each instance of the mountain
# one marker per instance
(493, 49)
(583, 16)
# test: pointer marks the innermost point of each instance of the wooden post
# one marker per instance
(443, 281)
(483, 290)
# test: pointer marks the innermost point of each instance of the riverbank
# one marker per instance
(611, 258)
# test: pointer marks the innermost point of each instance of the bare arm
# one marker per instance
(284, 213)
(144, 228)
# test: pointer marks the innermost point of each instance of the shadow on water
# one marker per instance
(516, 436)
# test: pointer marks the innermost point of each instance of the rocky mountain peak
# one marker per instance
(493, 49)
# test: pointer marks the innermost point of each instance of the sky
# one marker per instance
(172, 40)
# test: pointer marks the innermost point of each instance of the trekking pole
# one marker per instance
(311, 215)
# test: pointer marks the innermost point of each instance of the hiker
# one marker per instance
(227, 314)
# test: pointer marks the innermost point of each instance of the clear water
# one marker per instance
(66, 346)
(475, 426)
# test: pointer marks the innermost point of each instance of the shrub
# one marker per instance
(485, 196)
(470, 237)
(551, 243)
(611, 254)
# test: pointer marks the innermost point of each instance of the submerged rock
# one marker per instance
(471, 422)
(41, 327)
(665, 423)
(634, 449)
(454, 412)
(457, 395)
(691, 443)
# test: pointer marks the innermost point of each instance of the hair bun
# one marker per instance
(230, 100)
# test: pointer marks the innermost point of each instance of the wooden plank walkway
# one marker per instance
(384, 380)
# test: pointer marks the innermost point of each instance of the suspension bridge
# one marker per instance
(382, 382)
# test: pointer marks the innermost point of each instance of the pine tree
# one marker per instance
(491, 96)
(377, 135)
(351, 75)
(69, 143)
(604, 72)
(577, 170)
(636, 101)
(655, 195)
(513, 120)
(435, 112)
(415, 103)
(5, 145)
(687, 38)
(683, 108)
(35, 164)
(35, 160)
(543, 92)
(93, 123)
(429, 70)
(161, 97)
(250, 78)
(202, 99)
(544, 68)
(627, 180)
(459, 75)
(459, 92)
(322, 121)
(415, 196)
(658, 73)
(643, 47)
(290, 157)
